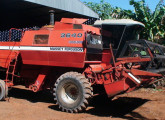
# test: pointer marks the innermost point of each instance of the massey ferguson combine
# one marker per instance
(77, 61)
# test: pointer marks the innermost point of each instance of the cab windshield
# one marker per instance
(117, 35)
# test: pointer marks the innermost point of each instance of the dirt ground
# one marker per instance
(143, 104)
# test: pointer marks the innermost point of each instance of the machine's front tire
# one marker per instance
(3, 90)
(72, 92)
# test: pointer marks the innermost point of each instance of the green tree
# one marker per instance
(152, 20)
(103, 9)
(106, 11)
(120, 13)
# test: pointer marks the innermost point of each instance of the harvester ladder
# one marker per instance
(12, 60)
(11, 66)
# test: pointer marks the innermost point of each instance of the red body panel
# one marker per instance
(116, 87)
(56, 40)
(10, 44)
(5, 52)
(73, 20)
(50, 57)
(28, 38)
(53, 58)
(36, 57)
(106, 56)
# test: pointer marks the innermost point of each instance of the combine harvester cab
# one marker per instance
(77, 61)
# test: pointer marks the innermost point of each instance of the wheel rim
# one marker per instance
(69, 93)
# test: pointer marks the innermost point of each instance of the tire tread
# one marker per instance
(88, 91)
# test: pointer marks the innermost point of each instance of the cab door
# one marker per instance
(94, 48)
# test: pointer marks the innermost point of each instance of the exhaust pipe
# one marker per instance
(51, 17)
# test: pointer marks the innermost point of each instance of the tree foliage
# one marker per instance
(154, 21)
(103, 9)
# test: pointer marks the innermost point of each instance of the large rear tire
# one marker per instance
(3, 90)
(72, 92)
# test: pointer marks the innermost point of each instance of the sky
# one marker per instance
(125, 3)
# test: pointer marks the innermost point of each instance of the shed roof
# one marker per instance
(73, 6)
(25, 13)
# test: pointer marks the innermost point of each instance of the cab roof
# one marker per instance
(118, 22)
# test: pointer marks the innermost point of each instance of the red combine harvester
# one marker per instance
(76, 61)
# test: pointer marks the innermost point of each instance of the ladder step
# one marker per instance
(12, 63)
(13, 74)
(17, 75)
(10, 73)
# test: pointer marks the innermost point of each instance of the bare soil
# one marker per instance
(142, 104)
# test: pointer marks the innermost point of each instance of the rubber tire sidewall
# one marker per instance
(80, 98)
(2, 92)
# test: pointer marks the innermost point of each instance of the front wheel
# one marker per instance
(72, 92)
(3, 90)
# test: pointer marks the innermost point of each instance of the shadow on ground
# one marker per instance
(42, 96)
(120, 107)
(99, 106)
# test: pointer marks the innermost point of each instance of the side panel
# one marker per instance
(34, 57)
(70, 52)
(106, 56)
(66, 38)
(28, 38)
(63, 59)
(4, 58)
(64, 48)
(67, 59)
(6, 52)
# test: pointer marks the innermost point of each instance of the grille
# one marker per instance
(13, 34)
